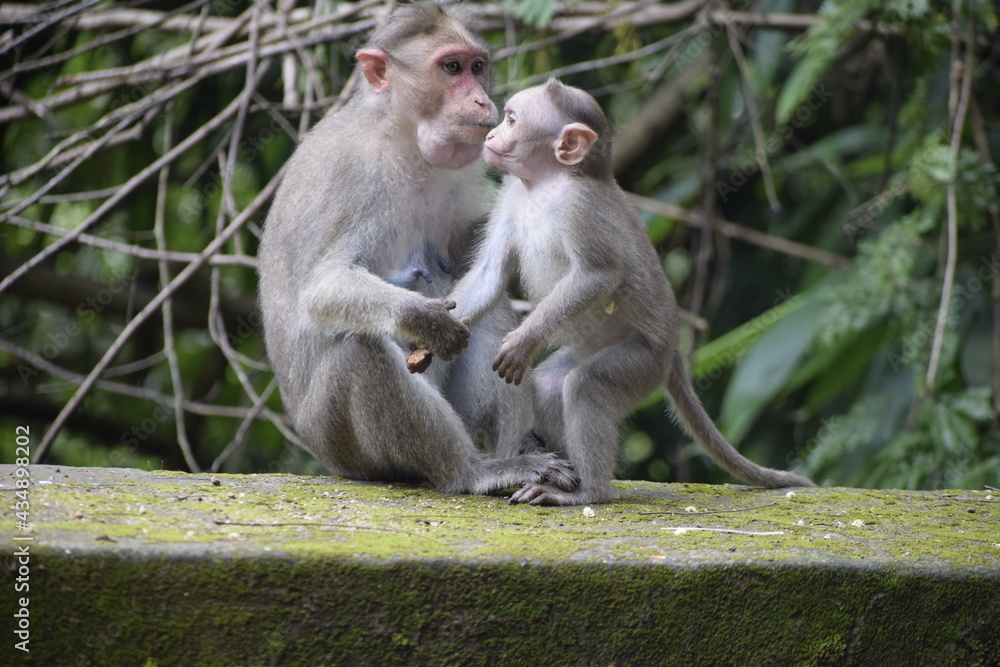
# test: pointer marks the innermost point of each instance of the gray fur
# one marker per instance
(600, 296)
(357, 253)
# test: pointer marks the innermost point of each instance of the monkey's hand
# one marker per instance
(517, 349)
(432, 327)
(458, 312)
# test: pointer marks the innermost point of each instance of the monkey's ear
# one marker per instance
(375, 65)
(573, 143)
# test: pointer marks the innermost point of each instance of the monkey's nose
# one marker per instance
(486, 103)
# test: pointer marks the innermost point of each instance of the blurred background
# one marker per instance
(818, 177)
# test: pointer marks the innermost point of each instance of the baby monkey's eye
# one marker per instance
(511, 117)
(478, 67)
(452, 67)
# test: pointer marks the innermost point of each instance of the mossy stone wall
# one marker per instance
(150, 568)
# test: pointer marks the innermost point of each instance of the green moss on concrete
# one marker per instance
(328, 516)
(132, 567)
(325, 611)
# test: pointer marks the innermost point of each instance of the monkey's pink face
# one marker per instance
(452, 136)
(519, 143)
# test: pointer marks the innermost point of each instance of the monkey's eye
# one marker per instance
(511, 118)
(478, 67)
(452, 67)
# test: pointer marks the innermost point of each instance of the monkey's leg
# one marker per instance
(596, 395)
(497, 413)
(547, 380)
(533, 442)
(366, 417)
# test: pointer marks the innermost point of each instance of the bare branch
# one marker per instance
(144, 314)
(168, 307)
(758, 130)
(958, 107)
(125, 189)
(40, 363)
(739, 232)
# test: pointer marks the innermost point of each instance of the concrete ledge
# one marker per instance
(127, 567)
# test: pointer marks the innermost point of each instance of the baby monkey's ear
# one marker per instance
(573, 143)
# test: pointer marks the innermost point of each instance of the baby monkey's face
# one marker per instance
(520, 144)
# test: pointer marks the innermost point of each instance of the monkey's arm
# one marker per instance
(347, 297)
(485, 283)
(581, 289)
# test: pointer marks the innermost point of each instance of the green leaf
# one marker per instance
(767, 367)
(836, 147)
(819, 47)
(839, 368)
(987, 15)
(727, 349)
(907, 10)
(951, 431)
(534, 12)
(975, 403)
(802, 80)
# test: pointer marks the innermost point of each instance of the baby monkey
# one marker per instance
(584, 259)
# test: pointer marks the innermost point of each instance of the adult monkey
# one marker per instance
(366, 233)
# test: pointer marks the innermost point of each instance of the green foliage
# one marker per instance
(764, 371)
(847, 371)
(878, 284)
(817, 49)
(537, 13)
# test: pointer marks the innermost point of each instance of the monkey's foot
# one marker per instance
(554, 471)
(534, 494)
(544, 469)
(544, 494)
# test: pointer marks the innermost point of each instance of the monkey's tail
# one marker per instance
(692, 416)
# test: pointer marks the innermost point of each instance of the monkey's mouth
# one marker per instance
(481, 125)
